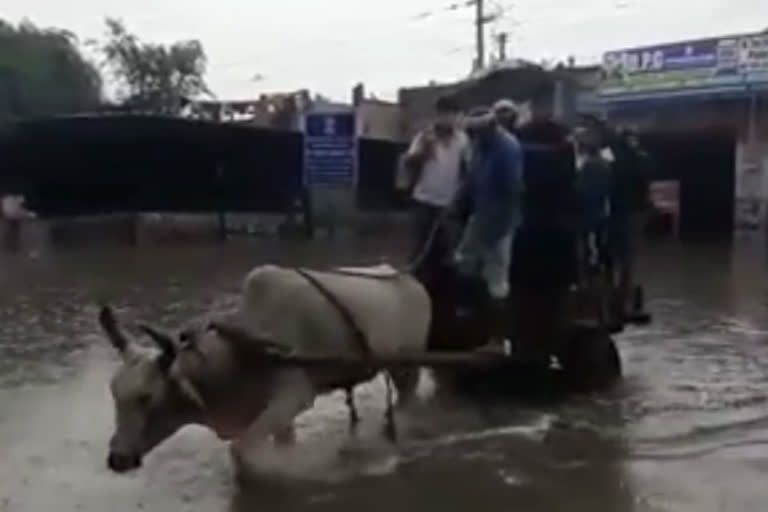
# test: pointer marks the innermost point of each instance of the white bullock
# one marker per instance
(208, 378)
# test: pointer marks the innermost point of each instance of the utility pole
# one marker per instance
(501, 39)
(479, 34)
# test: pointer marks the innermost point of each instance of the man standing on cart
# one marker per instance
(495, 186)
(431, 170)
(630, 205)
(545, 263)
(594, 184)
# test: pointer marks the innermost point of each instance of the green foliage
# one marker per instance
(153, 76)
(42, 72)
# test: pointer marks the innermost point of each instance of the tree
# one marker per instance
(42, 72)
(152, 76)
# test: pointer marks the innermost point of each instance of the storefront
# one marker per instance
(703, 107)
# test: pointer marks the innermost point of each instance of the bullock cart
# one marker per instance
(552, 323)
(333, 330)
(586, 358)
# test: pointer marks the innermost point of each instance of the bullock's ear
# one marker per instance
(164, 342)
(115, 335)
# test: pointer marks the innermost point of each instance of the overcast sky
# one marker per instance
(329, 45)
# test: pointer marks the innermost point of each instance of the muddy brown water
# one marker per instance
(686, 431)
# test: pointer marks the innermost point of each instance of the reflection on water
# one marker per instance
(687, 430)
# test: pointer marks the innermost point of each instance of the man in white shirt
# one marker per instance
(432, 170)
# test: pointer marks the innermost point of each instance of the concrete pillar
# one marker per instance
(751, 172)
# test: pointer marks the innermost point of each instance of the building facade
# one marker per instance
(380, 120)
(561, 92)
(711, 96)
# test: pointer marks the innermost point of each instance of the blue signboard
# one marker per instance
(330, 149)
(724, 66)
(705, 63)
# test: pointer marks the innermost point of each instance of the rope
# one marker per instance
(357, 333)
(410, 266)
(346, 315)
(428, 242)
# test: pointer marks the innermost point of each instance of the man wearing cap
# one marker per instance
(495, 183)
(431, 170)
(507, 114)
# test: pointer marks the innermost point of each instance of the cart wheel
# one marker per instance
(590, 361)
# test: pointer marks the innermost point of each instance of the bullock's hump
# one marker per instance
(390, 306)
(263, 271)
(263, 276)
(382, 270)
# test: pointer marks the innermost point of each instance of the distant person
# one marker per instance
(495, 184)
(631, 205)
(598, 132)
(432, 170)
(594, 185)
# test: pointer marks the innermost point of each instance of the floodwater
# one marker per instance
(686, 431)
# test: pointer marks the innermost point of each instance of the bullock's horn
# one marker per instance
(109, 325)
(190, 391)
(241, 338)
(164, 341)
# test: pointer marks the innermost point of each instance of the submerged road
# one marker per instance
(686, 431)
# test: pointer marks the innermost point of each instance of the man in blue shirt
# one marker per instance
(495, 185)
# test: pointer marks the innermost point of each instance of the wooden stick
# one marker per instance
(272, 355)
(430, 359)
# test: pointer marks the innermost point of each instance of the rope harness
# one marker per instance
(363, 346)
